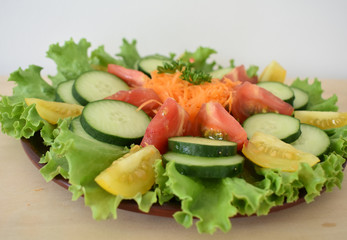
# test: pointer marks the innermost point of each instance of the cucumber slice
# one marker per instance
(220, 73)
(280, 90)
(96, 85)
(300, 99)
(330, 131)
(284, 127)
(76, 127)
(203, 147)
(150, 63)
(114, 122)
(312, 140)
(64, 92)
(206, 167)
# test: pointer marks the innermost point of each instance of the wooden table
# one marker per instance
(30, 208)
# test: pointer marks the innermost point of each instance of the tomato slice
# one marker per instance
(53, 111)
(323, 120)
(170, 121)
(250, 99)
(270, 152)
(240, 74)
(132, 77)
(213, 121)
(145, 98)
(131, 174)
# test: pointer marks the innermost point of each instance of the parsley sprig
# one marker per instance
(188, 73)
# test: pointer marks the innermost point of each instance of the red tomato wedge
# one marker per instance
(145, 98)
(132, 77)
(213, 121)
(250, 99)
(239, 74)
(170, 121)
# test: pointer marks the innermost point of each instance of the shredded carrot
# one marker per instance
(148, 102)
(189, 96)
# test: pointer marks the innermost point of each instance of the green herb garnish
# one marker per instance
(188, 73)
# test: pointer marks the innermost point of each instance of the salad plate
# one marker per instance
(34, 148)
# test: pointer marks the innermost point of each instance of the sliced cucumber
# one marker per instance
(330, 131)
(114, 122)
(220, 73)
(64, 92)
(300, 99)
(284, 127)
(150, 63)
(312, 140)
(76, 127)
(280, 90)
(96, 85)
(203, 147)
(206, 167)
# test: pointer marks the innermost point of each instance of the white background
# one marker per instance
(308, 38)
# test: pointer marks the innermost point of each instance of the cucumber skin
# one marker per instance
(58, 98)
(81, 100)
(290, 138)
(108, 138)
(289, 100)
(203, 171)
(321, 154)
(220, 73)
(211, 172)
(303, 107)
(158, 57)
(201, 150)
(78, 97)
(83, 135)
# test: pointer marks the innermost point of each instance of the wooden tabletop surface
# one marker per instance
(30, 208)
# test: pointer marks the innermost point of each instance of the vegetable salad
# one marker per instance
(213, 201)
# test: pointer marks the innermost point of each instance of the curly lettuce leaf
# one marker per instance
(48, 134)
(333, 170)
(249, 199)
(207, 200)
(84, 164)
(163, 192)
(55, 165)
(72, 60)
(314, 90)
(338, 142)
(286, 186)
(100, 58)
(30, 84)
(17, 119)
(129, 54)
(199, 59)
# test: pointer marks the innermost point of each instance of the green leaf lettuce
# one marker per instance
(314, 90)
(72, 60)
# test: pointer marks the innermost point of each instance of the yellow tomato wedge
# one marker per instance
(274, 72)
(270, 152)
(53, 111)
(131, 174)
(323, 120)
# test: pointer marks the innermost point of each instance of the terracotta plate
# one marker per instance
(34, 148)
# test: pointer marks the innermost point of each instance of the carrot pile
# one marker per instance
(190, 96)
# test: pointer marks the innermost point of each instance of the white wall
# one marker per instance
(309, 38)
